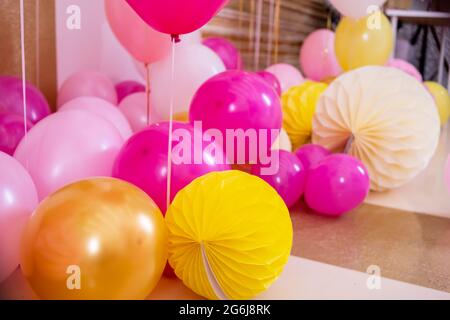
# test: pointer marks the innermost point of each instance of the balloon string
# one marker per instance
(241, 14)
(24, 83)
(169, 151)
(270, 31)
(147, 91)
(251, 25)
(277, 29)
(258, 33)
(38, 53)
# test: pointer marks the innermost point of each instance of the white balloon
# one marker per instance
(356, 8)
(194, 64)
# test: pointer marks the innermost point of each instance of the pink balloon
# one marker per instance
(317, 56)
(311, 154)
(287, 75)
(134, 108)
(195, 64)
(12, 130)
(289, 180)
(239, 100)
(336, 185)
(177, 17)
(18, 199)
(405, 66)
(227, 51)
(125, 88)
(87, 83)
(142, 42)
(143, 161)
(68, 146)
(103, 109)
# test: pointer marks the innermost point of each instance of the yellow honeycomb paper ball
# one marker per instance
(230, 235)
(299, 105)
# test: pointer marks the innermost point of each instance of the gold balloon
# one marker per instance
(95, 239)
(362, 42)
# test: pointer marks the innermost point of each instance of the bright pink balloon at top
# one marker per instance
(18, 199)
(336, 185)
(287, 75)
(176, 17)
(405, 66)
(317, 56)
(143, 160)
(87, 84)
(311, 154)
(142, 42)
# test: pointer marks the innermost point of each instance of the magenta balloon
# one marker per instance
(103, 109)
(12, 130)
(143, 162)
(239, 100)
(227, 51)
(142, 42)
(12, 99)
(271, 79)
(311, 154)
(18, 199)
(289, 180)
(177, 17)
(317, 56)
(406, 67)
(87, 84)
(125, 88)
(336, 185)
(68, 146)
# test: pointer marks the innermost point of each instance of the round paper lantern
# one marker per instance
(230, 235)
(441, 98)
(283, 142)
(299, 105)
(383, 117)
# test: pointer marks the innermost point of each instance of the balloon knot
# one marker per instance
(175, 38)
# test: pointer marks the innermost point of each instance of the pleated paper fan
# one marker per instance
(382, 116)
(299, 104)
(230, 235)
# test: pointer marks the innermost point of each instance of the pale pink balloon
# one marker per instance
(134, 108)
(194, 64)
(103, 109)
(317, 56)
(66, 147)
(287, 74)
(87, 83)
(18, 199)
(405, 66)
(142, 42)
(356, 8)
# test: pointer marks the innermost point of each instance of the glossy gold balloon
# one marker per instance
(362, 42)
(95, 239)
